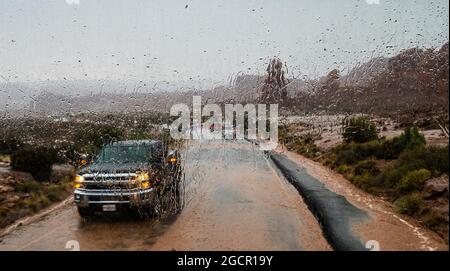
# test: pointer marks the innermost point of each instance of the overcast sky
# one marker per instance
(207, 41)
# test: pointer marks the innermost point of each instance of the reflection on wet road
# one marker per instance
(234, 200)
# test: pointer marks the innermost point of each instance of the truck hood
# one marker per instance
(113, 168)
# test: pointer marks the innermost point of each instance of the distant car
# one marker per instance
(231, 132)
(127, 175)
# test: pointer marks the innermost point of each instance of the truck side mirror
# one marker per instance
(85, 160)
(172, 157)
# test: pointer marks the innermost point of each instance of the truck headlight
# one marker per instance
(79, 178)
(144, 176)
(141, 180)
(145, 184)
(78, 182)
(173, 160)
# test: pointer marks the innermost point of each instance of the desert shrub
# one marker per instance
(364, 181)
(351, 153)
(367, 166)
(36, 161)
(435, 159)
(409, 204)
(28, 186)
(411, 139)
(413, 181)
(432, 219)
(329, 160)
(9, 145)
(345, 157)
(382, 149)
(308, 150)
(368, 149)
(309, 138)
(54, 192)
(389, 149)
(389, 177)
(344, 169)
(36, 201)
(359, 130)
(303, 144)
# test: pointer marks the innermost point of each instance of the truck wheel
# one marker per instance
(175, 196)
(144, 212)
(84, 212)
(150, 211)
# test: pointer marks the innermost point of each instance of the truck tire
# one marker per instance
(150, 211)
(84, 212)
(175, 196)
(144, 212)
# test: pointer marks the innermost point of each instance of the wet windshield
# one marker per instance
(124, 154)
(253, 125)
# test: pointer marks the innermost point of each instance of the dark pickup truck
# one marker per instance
(131, 174)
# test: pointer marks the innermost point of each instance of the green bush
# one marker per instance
(389, 177)
(55, 192)
(302, 144)
(413, 181)
(364, 181)
(36, 201)
(386, 149)
(37, 161)
(359, 130)
(432, 219)
(389, 149)
(28, 187)
(367, 166)
(9, 145)
(345, 157)
(409, 204)
(344, 169)
(411, 139)
(351, 153)
(368, 149)
(435, 159)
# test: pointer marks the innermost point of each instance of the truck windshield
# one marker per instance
(124, 154)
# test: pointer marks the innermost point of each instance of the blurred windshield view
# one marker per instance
(257, 125)
(123, 154)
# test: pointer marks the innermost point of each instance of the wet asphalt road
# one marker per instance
(233, 200)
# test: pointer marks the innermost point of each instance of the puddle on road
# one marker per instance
(124, 232)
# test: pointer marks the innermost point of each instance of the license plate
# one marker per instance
(109, 208)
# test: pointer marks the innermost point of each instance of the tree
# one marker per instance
(274, 89)
(37, 161)
(358, 130)
(332, 81)
(411, 138)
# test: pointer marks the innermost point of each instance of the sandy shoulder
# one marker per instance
(391, 230)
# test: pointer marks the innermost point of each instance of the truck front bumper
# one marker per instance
(93, 198)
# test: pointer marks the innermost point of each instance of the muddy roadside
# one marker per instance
(22, 198)
(389, 229)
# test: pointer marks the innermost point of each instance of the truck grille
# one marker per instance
(108, 181)
(99, 185)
